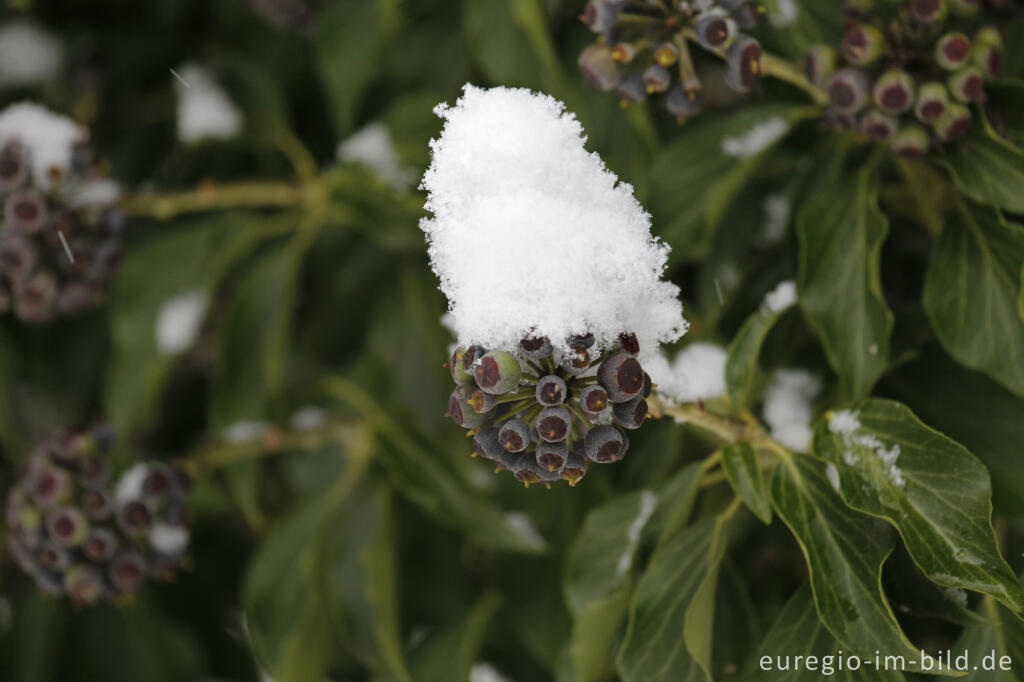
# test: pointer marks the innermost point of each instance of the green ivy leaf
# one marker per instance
(845, 551)
(932, 489)
(841, 232)
(694, 179)
(741, 365)
(1001, 634)
(1005, 102)
(798, 631)
(971, 294)
(594, 630)
(450, 654)
(739, 461)
(988, 169)
(653, 651)
(677, 499)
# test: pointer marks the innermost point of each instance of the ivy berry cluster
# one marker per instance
(81, 534)
(543, 413)
(641, 44)
(906, 73)
(57, 247)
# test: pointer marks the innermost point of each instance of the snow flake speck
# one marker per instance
(755, 140)
(648, 502)
(781, 297)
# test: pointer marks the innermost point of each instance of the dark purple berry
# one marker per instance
(714, 30)
(551, 456)
(575, 467)
(682, 104)
(535, 347)
(127, 572)
(927, 11)
(100, 544)
(553, 424)
(632, 88)
(952, 50)
(593, 399)
(67, 526)
(18, 256)
(604, 444)
(134, 518)
(599, 66)
(656, 78)
(551, 390)
(743, 59)
(621, 376)
(600, 15)
(486, 443)
(848, 90)
(460, 409)
(514, 435)
(631, 414)
(25, 210)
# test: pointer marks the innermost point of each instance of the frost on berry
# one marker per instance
(82, 535)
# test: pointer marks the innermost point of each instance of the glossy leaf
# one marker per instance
(845, 550)
(971, 294)
(987, 643)
(678, 497)
(798, 631)
(841, 233)
(594, 632)
(744, 349)
(653, 650)
(739, 461)
(450, 653)
(988, 169)
(932, 489)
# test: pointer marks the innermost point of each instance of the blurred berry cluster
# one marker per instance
(38, 279)
(642, 43)
(80, 534)
(907, 72)
(543, 413)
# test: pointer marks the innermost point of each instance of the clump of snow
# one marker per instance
(168, 539)
(776, 209)
(28, 53)
(696, 373)
(47, 138)
(244, 432)
(95, 192)
(782, 13)
(648, 501)
(846, 424)
(781, 297)
(129, 486)
(833, 475)
(485, 672)
(787, 407)
(178, 322)
(531, 233)
(308, 418)
(205, 111)
(372, 146)
(755, 140)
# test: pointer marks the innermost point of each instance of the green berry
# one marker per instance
(862, 44)
(459, 374)
(952, 50)
(989, 35)
(968, 84)
(928, 11)
(497, 372)
(910, 140)
(819, 64)
(894, 91)
(460, 409)
(986, 58)
(932, 99)
(878, 126)
(953, 123)
(848, 90)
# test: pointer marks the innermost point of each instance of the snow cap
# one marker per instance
(48, 138)
(532, 234)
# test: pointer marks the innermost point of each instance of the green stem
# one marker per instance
(218, 197)
(725, 428)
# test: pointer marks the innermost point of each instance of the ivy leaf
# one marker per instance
(841, 232)
(741, 365)
(988, 169)
(696, 176)
(739, 461)
(971, 294)
(845, 551)
(594, 631)
(1000, 634)
(798, 631)
(1005, 102)
(675, 594)
(932, 489)
(677, 499)
(450, 653)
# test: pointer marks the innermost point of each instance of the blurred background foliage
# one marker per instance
(371, 546)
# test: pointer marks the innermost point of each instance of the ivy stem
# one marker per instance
(725, 428)
(217, 197)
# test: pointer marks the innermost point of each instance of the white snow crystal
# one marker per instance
(776, 215)
(531, 233)
(168, 539)
(648, 501)
(758, 138)
(205, 111)
(48, 138)
(697, 372)
(372, 146)
(178, 322)
(28, 53)
(781, 297)
(485, 672)
(129, 487)
(833, 475)
(787, 406)
(244, 432)
(96, 192)
(308, 418)
(844, 422)
(782, 13)
(521, 523)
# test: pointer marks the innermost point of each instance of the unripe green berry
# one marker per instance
(989, 35)
(953, 123)
(862, 44)
(928, 11)
(458, 372)
(968, 84)
(986, 58)
(952, 50)
(460, 409)
(83, 584)
(932, 99)
(878, 126)
(894, 91)
(910, 140)
(964, 8)
(497, 372)
(819, 64)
